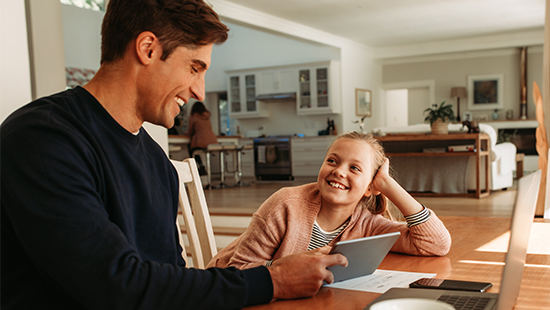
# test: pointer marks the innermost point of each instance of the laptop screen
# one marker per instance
(522, 220)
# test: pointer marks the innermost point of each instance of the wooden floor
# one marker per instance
(247, 199)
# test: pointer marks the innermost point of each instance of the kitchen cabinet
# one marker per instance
(308, 154)
(319, 89)
(276, 81)
(242, 96)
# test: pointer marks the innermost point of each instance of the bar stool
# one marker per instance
(220, 149)
(206, 153)
(226, 148)
(202, 153)
(239, 171)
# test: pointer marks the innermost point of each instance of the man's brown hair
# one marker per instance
(189, 23)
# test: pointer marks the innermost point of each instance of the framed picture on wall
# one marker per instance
(485, 92)
(363, 102)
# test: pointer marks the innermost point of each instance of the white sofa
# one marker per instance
(502, 157)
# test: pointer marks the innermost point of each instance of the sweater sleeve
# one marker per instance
(57, 230)
(430, 238)
(263, 238)
(258, 245)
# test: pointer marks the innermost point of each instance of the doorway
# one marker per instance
(405, 102)
(397, 107)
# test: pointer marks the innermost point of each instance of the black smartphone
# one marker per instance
(451, 285)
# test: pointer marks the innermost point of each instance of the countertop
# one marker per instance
(184, 139)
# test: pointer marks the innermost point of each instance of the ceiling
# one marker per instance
(384, 23)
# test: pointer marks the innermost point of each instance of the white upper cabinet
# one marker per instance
(319, 89)
(242, 97)
(276, 81)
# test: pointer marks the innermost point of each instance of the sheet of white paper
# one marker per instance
(381, 281)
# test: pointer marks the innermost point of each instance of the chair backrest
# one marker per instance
(547, 203)
(192, 204)
(541, 146)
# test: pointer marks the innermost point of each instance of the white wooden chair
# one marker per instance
(542, 150)
(192, 204)
(547, 202)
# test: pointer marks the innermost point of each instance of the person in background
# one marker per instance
(89, 200)
(346, 202)
(200, 130)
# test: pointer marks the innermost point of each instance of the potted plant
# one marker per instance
(438, 117)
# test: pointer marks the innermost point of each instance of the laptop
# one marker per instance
(364, 255)
(522, 218)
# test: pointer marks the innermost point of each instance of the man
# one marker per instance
(89, 200)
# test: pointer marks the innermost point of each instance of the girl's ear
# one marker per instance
(368, 191)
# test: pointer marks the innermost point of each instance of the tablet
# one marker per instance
(364, 255)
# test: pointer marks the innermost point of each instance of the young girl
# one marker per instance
(346, 203)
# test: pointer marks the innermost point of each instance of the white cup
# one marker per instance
(411, 304)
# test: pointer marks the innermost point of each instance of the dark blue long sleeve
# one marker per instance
(88, 218)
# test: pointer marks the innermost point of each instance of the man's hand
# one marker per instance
(301, 275)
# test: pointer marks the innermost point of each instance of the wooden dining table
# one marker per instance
(478, 250)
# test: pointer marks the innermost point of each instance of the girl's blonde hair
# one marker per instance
(376, 204)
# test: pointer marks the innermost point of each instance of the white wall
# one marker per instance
(417, 99)
(82, 36)
(360, 71)
(15, 78)
(47, 59)
(31, 66)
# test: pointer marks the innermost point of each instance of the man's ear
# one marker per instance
(147, 45)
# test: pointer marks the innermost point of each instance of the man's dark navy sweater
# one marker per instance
(88, 218)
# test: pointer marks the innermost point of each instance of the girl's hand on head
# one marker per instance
(381, 177)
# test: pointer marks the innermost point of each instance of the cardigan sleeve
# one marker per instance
(280, 227)
(430, 238)
(257, 245)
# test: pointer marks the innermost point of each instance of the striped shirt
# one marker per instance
(418, 218)
(320, 238)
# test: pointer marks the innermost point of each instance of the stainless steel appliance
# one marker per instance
(272, 160)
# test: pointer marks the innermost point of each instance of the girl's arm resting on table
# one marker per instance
(429, 238)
